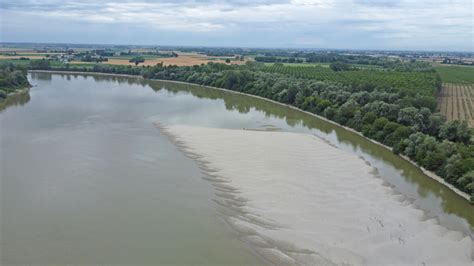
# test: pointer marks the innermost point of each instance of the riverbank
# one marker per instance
(297, 200)
(86, 73)
(428, 173)
(16, 97)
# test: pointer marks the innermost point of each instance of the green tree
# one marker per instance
(340, 66)
(137, 60)
(455, 131)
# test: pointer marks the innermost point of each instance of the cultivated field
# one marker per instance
(184, 59)
(456, 74)
(9, 57)
(456, 102)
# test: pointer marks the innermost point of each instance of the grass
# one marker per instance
(456, 74)
(85, 64)
(16, 61)
(53, 63)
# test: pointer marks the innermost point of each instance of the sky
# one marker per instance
(446, 25)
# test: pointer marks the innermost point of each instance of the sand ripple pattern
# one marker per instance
(298, 201)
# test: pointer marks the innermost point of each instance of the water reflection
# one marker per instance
(435, 199)
(84, 171)
(17, 99)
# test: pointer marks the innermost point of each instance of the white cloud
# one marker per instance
(301, 20)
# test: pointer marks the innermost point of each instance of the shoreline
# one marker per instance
(427, 173)
(16, 92)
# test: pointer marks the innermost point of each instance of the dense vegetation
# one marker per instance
(137, 60)
(335, 57)
(12, 78)
(456, 74)
(395, 108)
(276, 59)
(410, 83)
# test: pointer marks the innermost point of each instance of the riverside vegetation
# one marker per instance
(395, 106)
(12, 79)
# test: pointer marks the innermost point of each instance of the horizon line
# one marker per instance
(242, 47)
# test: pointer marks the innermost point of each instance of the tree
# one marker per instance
(455, 131)
(467, 181)
(347, 111)
(406, 116)
(377, 132)
(429, 154)
(299, 99)
(227, 60)
(137, 60)
(394, 132)
(369, 118)
(436, 120)
(422, 120)
(409, 146)
(453, 167)
(322, 105)
(356, 121)
(40, 64)
(382, 109)
(340, 66)
(330, 113)
(424, 101)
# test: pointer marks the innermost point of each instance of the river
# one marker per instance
(86, 178)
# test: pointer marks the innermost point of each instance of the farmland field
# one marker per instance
(456, 102)
(300, 64)
(456, 74)
(326, 65)
(20, 56)
(410, 82)
(184, 59)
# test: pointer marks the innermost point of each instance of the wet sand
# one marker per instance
(296, 199)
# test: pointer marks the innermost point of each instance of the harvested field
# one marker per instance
(11, 49)
(456, 102)
(184, 59)
(20, 56)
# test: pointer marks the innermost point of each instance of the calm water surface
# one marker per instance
(87, 178)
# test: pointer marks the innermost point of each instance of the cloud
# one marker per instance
(402, 24)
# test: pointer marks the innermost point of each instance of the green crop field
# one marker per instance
(301, 64)
(323, 65)
(456, 74)
(410, 82)
(53, 63)
(15, 61)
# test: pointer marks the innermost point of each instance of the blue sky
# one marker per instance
(340, 24)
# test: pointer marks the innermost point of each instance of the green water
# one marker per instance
(87, 179)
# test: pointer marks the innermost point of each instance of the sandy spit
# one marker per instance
(297, 200)
(425, 171)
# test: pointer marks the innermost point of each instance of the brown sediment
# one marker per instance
(296, 200)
